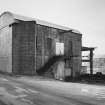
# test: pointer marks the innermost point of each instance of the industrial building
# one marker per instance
(29, 44)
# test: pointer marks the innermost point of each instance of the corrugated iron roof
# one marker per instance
(41, 22)
(87, 48)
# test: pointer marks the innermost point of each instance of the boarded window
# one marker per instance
(59, 48)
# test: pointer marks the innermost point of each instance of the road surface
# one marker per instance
(42, 91)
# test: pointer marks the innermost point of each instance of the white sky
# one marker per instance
(87, 16)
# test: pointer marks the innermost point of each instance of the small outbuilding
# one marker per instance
(27, 45)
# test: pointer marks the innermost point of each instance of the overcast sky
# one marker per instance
(87, 16)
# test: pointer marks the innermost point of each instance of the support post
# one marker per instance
(91, 62)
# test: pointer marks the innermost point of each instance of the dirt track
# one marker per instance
(39, 91)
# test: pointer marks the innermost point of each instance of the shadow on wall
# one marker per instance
(47, 66)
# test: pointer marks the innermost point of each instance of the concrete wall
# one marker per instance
(6, 43)
(73, 44)
(45, 50)
(46, 38)
(6, 49)
(23, 48)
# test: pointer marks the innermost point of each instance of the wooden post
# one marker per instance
(91, 61)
